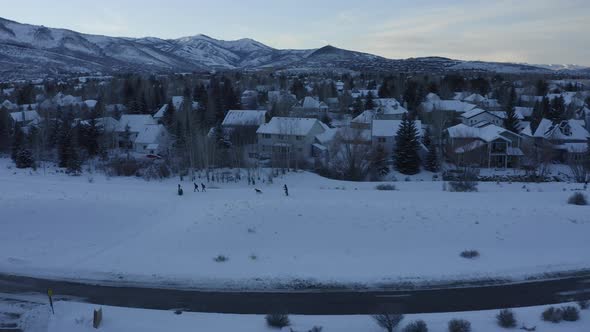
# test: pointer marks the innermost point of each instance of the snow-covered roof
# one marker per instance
(25, 116)
(564, 130)
(91, 103)
(389, 128)
(136, 122)
(364, 93)
(244, 118)
(524, 111)
(327, 136)
(472, 113)
(432, 97)
(311, 102)
(288, 126)
(487, 133)
(150, 134)
(108, 123)
(448, 105)
(160, 113)
(389, 106)
(178, 101)
(365, 117)
(475, 98)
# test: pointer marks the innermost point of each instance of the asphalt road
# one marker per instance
(314, 302)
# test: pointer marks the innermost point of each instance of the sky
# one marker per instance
(532, 31)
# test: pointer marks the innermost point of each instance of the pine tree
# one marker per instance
(91, 135)
(169, 115)
(407, 160)
(511, 121)
(18, 141)
(5, 124)
(431, 163)
(370, 102)
(24, 159)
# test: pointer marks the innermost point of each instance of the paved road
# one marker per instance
(314, 302)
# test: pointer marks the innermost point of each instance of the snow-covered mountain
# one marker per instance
(32, 51)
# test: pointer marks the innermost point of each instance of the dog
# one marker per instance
(258, 191)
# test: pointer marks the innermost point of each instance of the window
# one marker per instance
(381, 140)
(299, 138)
(300, 149)
(267, 136)
(281, 136)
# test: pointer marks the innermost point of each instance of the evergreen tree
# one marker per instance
(541, 88)
(511, 121)
(5, 128)
(18, 141)
(24, 159)
(370, 103)
(90, 135)
(298, 89)
(407, 160)
(357, 107)
(556, 110)
(431, 163)
(169, 115)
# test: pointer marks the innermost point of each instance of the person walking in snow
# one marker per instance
(286, 190)
(202, 187)
(180, 191)
(196, 187)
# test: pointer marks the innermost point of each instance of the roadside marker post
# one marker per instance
(50, 295)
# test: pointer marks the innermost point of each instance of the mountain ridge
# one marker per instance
(28, 50)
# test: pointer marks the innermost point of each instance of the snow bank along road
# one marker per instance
(314, 302)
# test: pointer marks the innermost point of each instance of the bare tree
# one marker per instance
(350, 154)
(388, 321)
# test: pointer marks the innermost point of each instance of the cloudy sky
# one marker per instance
(533, 31)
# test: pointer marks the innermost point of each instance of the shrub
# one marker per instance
(584, 304)
(221, 259)
(385, 187)
(278, 320)
(506, 318)
(24, 159)
(416, 326)
(124, 167)
(316, 329)
(470, 254)
(156, 171)
(459, 325)
(462, 186)
(552, 314)
(388, 321)
(578, 199)
(570, 313)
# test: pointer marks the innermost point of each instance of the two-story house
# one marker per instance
(567, 138)
(286, 140)
(488, 146)
(384, 134)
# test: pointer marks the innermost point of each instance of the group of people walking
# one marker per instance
(203, 188)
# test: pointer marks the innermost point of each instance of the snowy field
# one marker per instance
(71, 316)
(129, 230)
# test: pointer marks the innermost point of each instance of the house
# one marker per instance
(477, 116)
(25, 118)
(567, 138)
(152, 139)
(286, 140)
(384, 134)
(159, 116)
(243, 124)
(363, 120)
(389, 109)
(310, 107)
(249, 99)
(7, 105)
(131, 125)
(488, 146)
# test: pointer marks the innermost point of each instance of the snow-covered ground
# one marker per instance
(127, 229)
(72, 316)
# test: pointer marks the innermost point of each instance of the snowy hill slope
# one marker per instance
(31, 51)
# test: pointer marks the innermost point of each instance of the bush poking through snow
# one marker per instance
(278, 320)
(552, 314)
(459, 325)
(385, 187)
(388, 321)
(221, 259)
(470, 254)
(506, 319)
(584, 304)
(578, 199)
(316, 329)
(416, 326)
(462, 186)
(571, 313)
